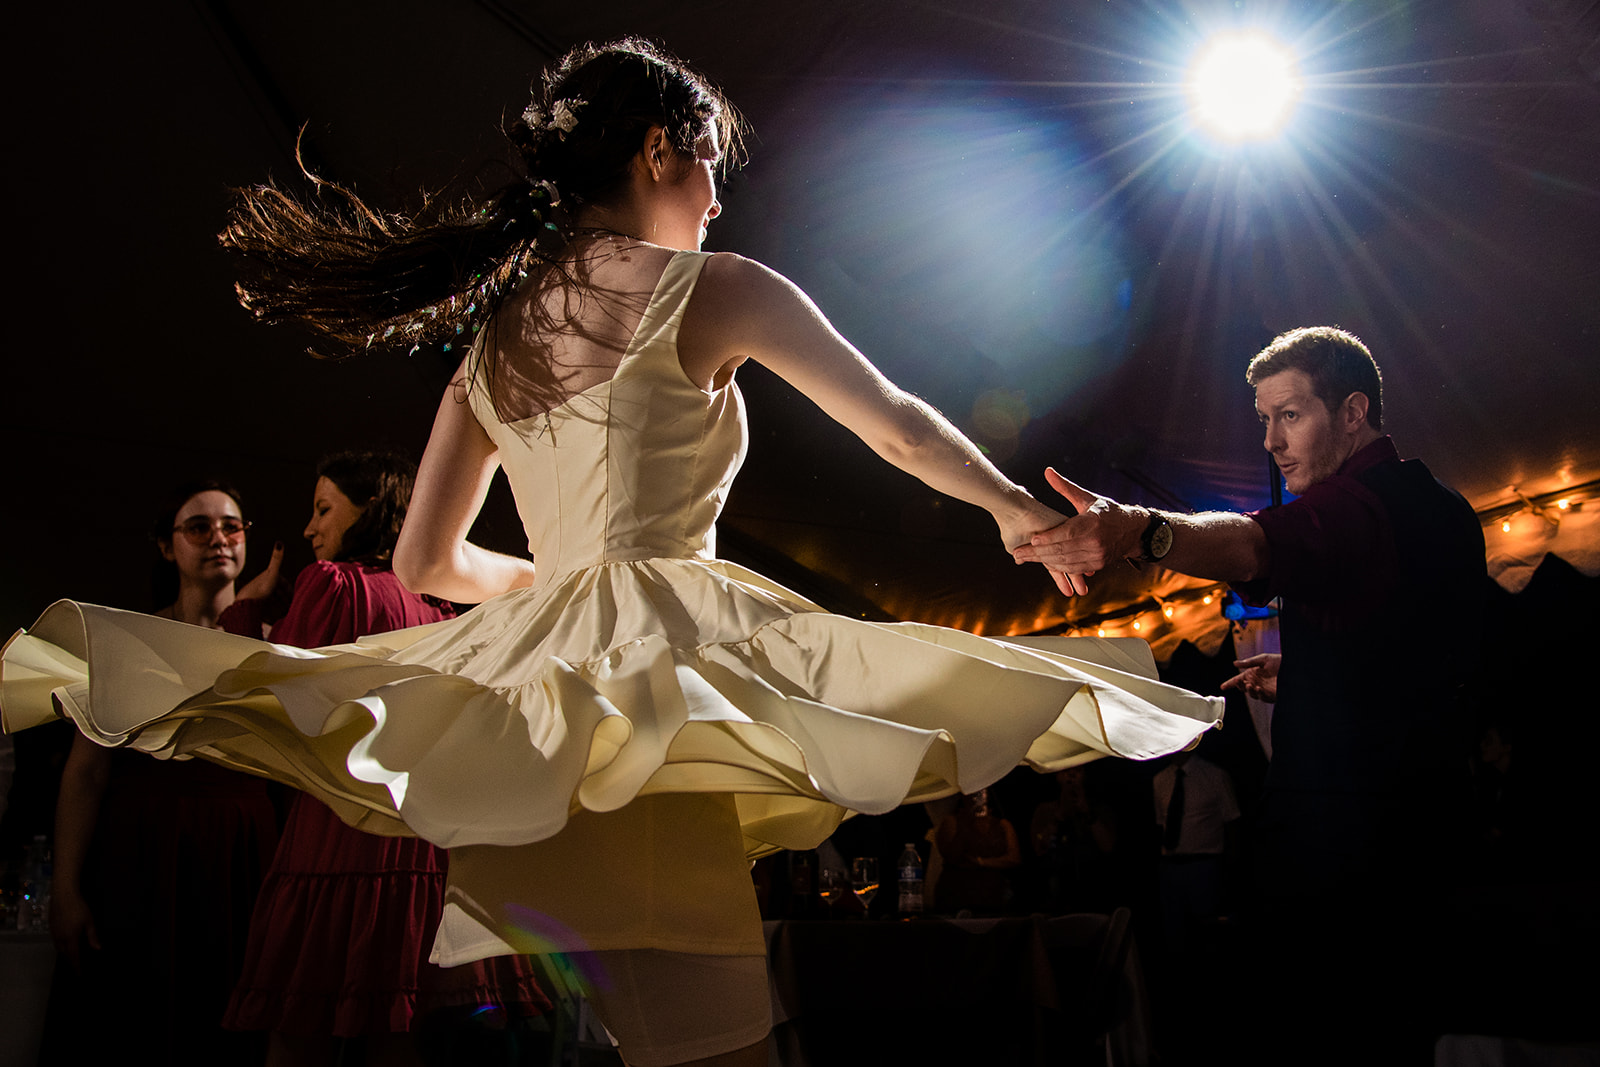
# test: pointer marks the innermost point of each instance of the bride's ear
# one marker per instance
(656, 152)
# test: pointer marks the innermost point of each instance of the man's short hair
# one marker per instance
(1335, 360)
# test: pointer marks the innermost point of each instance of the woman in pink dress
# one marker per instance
(340, 937)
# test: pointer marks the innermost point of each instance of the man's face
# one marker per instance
(1301, 433)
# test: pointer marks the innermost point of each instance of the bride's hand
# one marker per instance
(1031, 518)
(1027, 518)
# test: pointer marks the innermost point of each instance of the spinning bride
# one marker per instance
(609, 738)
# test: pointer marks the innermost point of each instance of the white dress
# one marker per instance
(605, 750)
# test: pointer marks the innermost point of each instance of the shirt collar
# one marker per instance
(1380, 451)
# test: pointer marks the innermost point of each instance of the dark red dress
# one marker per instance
(340, 937)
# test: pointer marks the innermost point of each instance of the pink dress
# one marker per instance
(341, 932)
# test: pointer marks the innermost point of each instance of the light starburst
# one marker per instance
(1244, 87)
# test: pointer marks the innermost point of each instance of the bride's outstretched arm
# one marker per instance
(743, 310)
(433, 555)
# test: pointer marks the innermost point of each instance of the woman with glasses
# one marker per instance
(157, 864)
(625, 720)
(203, 553)
(340, 937)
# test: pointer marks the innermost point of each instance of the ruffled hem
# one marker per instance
(799, 714)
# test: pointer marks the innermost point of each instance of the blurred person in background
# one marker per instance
(157, 864)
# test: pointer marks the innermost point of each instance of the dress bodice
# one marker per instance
(637, 467)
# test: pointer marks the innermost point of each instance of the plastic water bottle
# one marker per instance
(33, 912)
(910, 865)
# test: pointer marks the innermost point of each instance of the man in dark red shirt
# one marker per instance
(1381, 573)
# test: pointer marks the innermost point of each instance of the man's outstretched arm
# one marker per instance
(1214, 544)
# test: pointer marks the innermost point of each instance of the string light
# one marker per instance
(1540, 511)
(1548, 506)
(1131, 618)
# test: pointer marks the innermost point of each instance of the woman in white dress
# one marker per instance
(625, 720)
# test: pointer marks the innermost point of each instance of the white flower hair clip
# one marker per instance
(563, 117)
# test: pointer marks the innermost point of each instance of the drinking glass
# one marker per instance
(864, 879)
(830, 886)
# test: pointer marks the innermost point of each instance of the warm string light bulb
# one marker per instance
(1135, 620)
(1550, 512)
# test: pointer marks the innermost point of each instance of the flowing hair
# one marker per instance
(359, 278)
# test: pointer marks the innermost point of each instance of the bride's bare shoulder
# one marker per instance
(735, 286)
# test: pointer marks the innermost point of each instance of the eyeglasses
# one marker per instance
(198, 529)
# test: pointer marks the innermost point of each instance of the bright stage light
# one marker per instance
(1243, 87)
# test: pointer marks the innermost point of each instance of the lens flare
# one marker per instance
(1243, 87)
(548, 942)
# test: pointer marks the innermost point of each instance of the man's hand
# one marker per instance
(1257, 677)
(1102, 532)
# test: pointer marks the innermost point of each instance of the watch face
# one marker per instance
(1160, 541)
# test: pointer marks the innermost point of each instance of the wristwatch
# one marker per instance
(1156, 541)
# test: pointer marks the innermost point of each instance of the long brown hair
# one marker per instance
(359, 278)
